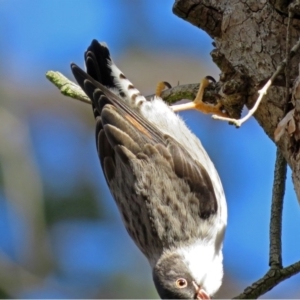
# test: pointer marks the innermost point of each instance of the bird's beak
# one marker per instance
(200, 293)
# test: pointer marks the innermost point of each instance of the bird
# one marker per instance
(166, 188)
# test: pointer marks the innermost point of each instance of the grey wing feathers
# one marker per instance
(197, 178)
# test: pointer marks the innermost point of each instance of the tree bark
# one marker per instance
(250, 42)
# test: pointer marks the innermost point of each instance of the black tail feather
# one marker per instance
(98, 60)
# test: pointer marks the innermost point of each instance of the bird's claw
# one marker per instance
(198, 103)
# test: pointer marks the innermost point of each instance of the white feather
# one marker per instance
(205, 265)
(123, 84)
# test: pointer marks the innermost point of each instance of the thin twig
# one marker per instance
(262, 92)
(67, 87)
(239, 122)
(71, 89)
(275, 254)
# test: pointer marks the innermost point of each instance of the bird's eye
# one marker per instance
(181, 283)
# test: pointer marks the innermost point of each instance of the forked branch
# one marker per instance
(276, 273)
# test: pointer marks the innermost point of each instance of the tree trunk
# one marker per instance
(250, 42)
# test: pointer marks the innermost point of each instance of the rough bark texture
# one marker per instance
(250, 42)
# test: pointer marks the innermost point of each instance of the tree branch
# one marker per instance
(275, 256)
(67, 87)
(268, 281)
(72, 90)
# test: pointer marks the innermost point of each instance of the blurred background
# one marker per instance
(60, 231)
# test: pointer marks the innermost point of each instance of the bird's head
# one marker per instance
(175, 278)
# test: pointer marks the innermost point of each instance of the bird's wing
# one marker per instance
(149, 173)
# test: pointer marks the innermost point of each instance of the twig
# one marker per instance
(179, 92)
(67, 87)
(275, 256)
(71, 89)
(262, 92)
(239, 122)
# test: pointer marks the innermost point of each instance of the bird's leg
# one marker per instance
(161, 86)
(198, 104)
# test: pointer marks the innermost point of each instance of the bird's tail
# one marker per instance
(101, 68)
(98, 64)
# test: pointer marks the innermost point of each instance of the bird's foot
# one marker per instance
(161, 86)
(198, 103)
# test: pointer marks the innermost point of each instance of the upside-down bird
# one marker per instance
(166, 188)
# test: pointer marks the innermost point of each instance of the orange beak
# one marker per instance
(200, 293)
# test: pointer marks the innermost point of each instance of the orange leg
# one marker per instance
(198, 104)
(161, 86)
